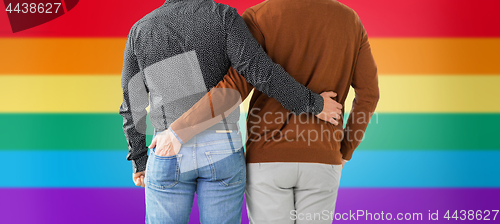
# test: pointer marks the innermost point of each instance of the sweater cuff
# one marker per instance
(317, 105)
(139, 165)
(346, 151)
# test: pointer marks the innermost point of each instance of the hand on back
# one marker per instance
(332, 110)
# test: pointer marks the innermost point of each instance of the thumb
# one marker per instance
(331, 94)
(153, 143)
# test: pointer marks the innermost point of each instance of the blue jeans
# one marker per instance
(210, 164)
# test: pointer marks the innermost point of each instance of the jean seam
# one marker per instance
(212, 165)
(227, 151)
(240, 174)
(195, 161)
(214, 173)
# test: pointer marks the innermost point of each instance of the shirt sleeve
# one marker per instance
(365, 84)
(250, 60)
(133, 107)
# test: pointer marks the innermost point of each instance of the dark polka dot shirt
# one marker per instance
(178, 52)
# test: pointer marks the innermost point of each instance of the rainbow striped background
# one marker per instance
(433, 146)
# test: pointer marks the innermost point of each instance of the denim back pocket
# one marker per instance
(227, 166)
(163, 171)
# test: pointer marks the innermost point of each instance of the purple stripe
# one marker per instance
(415, 200)
(54, 206)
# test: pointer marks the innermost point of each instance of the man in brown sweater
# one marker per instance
(294, 161)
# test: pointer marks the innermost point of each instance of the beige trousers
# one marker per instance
(291, 193)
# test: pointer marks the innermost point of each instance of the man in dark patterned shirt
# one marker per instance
(173, 56)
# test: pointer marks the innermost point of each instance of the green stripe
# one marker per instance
(392, 131)
(433, 131)
(62, 131)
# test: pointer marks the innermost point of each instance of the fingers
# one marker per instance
(159, 151)
(153, 143)
(333, 117)
(329, 118)
(333, 121)
(332, 103)
(328, 98)
(166, 144)
(138, 179)
(164, 150)
(169, 152)
(332, 110)
(337, 105)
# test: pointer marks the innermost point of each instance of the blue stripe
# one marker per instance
(424, 168)
(109, 168)
(75, 168)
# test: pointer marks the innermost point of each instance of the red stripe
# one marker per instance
(382, 18)
(428, 18)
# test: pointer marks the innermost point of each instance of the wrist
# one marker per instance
(319, 104)
(179, 139)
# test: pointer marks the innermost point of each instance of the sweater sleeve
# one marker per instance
(365, 84)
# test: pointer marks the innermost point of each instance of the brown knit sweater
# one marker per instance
(323, 45)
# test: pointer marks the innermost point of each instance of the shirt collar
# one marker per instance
(174, 1)
(171, 1)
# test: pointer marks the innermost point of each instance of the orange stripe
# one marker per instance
(393, 55)
(437, 55)
(62, 55)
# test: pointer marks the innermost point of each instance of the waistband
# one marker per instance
(224, 127)
(219, 128)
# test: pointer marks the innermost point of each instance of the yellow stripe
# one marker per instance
(436, 94)
(89, 56)
(75, 93)
(399, 94)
